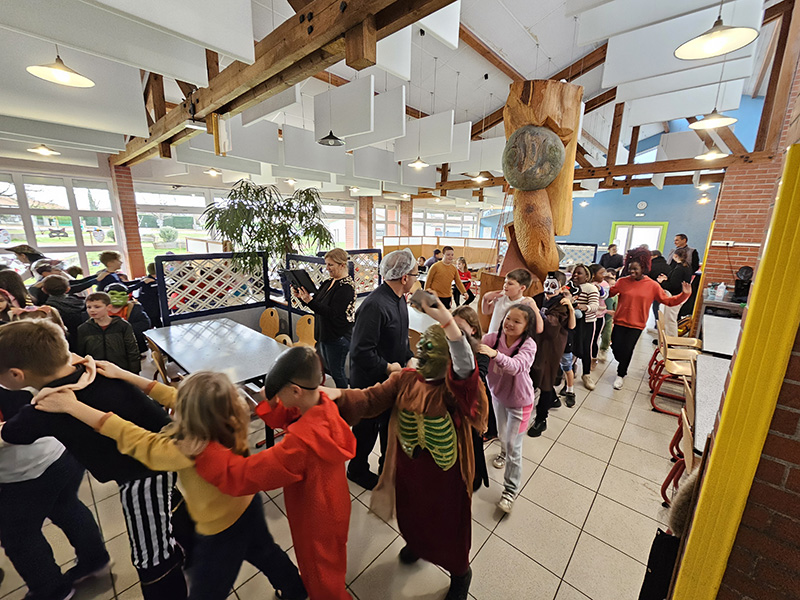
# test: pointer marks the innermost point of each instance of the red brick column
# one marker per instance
(406, 210)
(765, 560)
(744, 207)
(123, 189)
(366, 229)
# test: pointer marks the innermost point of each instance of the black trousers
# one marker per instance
(447, 302)
(596, 333)
(582, 346)
(457, 297)
(367, 432)
(623, 342)
(546, 401)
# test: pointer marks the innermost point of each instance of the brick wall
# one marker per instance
(365, 222)
(406, 210)
(743, 209)
(765, 561)
(123, 189)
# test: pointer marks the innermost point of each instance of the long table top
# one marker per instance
(711, 374)
(720, 334)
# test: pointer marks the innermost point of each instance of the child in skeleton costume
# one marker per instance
(428, 475)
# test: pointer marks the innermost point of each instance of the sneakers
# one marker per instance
(537, 428)
(556, 403)
(602, 356)
(506, 503)
(499, 461)
(368, 480)
(80, 573)
(569, 399)
(587, 382)
(407, 556)
(64, 595)
(618, 382)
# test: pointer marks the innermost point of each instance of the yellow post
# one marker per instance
(751, 397)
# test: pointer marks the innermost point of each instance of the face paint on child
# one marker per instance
(118, 298)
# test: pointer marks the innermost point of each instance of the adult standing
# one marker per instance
(27, 255)
(334, 307)
(611, 260)
(681, 241)
(437, 256)
(587, 301)
(378, 348)
(636, 295)
(443, 276)
(658, 267)
(673, 283)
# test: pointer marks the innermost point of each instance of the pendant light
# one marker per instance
(712, 154)
(720, 39)
(703, 187)
(704, 199)
(584, 203)
(213, 172)
(330, 140)
(714, 119)
(44, 151)
(419, 164)
(479, 178)
(58, 72)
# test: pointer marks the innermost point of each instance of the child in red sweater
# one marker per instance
(308, 464)
(636, 295)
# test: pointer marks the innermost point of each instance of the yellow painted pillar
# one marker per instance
(770, 328)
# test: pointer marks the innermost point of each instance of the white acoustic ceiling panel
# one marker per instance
(393, 54)
(429, 136)
(686, 103)
(374, 163)
(484, 155)
(462, 135)
(258, 142)
(281, 173)
(685, 80)
(347, 110)
(389, 121)
(648, 51)
(226, 29)
(115, 104)
(573, 7)
(157, 168)
(681, 144)
(25, 130)
(462, 194)
(620, 16)
(69, 156)
(271, 106)
(301, 150)
(444, 24)
(202, 158)
(418, 177)
(75, 24)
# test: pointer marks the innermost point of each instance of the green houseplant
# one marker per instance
(257, 218)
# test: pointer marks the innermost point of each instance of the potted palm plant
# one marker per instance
(258, 218)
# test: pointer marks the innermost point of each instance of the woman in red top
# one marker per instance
(636, 296)
(466, 279)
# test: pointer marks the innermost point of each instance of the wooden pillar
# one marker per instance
(366, 229)
(123, 189)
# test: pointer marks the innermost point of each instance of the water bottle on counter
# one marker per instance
(719, 295)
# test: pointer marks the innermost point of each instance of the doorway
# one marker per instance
(627, 235)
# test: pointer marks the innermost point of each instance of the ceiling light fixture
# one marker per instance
(584, 203)
(330, 140)
(355, 189)
(418, 164)
(704, 199)
(406, 196)
(213, 172)
(44, 151)
(58, 72)
(438, 199)
(713, 120)
(291, 181)
(712, 154)
(480, 178)
(704, 186)
(720, 39)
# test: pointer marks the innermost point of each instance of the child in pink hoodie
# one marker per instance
(511, 351)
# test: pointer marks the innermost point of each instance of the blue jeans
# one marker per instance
(335, 355)
(217, 558)
(23, 508)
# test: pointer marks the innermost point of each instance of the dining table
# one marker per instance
(720, 334)
(712, 371)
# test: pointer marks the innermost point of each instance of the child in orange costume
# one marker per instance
(308, 464)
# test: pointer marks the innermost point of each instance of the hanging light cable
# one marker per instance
(715, 119)
(419, 163)
(720, 39)
(479, 178)
(58, 72)
(330, 139)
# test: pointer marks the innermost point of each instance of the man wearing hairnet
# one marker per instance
(379, 347)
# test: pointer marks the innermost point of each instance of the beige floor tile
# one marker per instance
(634, 492)
(62, 550)
(112, 520)
(12, 579)
(246, 573)
(479, 536)
(622, 528)
(500, 566)
(603, 573)
(607, 391)
(368, 537)
(646, 439)
(588, 442)
(535, 449)
(608, 406)
(559, 495)
(555, 422)
(132, 593)
(278, 525)
(124, 573)
(101, 491)
(484, 505)
(650, 419)
(389, 579)
(85, 491)
(641, 462)
(99, 588)
(577, 466)
(598, 422)
(567, 592)
(256, 588)
(543, 536)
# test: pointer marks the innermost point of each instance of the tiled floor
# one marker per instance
(581, 528)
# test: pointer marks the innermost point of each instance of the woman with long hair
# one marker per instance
(681, 273)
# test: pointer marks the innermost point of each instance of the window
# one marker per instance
(386, 221)
(439, 223)
(340, 217)
(631, 235)
(68, 219)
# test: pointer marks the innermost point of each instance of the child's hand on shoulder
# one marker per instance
(487, 350)
(55, 400)
(109, 369)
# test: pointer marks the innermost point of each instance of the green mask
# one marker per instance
(433, 353)
(118, 298)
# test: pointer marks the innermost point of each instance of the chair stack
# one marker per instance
(671, 361)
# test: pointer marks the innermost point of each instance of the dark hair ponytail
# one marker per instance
(530, 328)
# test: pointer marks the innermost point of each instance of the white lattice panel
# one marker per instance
(366, 272)
(315, 270)
(577, 254)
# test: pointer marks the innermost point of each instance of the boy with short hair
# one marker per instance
(148, 296)
(112, 261)
(441, 277)
(497, 303)
(71, 308)
(308, 464)
(34, 355)
(106, 337)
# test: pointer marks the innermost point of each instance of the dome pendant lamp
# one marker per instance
(720, 39)
(330, 140)
(58, 72)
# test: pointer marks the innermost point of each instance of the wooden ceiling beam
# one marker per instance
(776, 11)
(594, 142)
(765, 62)
(632, 148)
(294, 51)
(583, 65)
(616, 130)
(486, 124)
(212, 64)
(642, 183)
(360, 45)
(600, 100)
(672, 166)
(477, 44)
(789, 54)
(580, 157)
(186, 88)
(468, 184)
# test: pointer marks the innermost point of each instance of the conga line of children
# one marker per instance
(113, 423)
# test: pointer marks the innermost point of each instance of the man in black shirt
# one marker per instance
(681, 241)
(611, 260)
(34, 354)
(378, 348)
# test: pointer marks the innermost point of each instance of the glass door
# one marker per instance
(631, 235)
